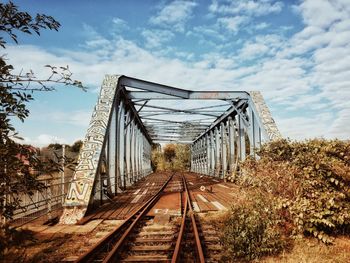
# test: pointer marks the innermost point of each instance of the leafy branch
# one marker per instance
(20, 167)
(12, 19)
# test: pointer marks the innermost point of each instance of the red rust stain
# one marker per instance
(169, 201)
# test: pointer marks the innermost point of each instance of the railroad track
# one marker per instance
(139, 240)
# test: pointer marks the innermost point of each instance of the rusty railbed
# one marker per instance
(109, 248)
(115, 239)
(188, 210)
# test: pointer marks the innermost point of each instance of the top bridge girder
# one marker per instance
(116, 151)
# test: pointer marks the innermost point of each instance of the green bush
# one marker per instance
(310, 179)
(252, 229)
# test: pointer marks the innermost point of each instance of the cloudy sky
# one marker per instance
(297, 53)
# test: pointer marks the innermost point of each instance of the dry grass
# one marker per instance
(54, 247)
(40, 249)
(312, 251)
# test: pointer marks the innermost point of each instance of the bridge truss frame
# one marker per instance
(116, 151)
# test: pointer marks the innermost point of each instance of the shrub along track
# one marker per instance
(141, 239)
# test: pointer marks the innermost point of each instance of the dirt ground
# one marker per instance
(65, 247)
(66, 243)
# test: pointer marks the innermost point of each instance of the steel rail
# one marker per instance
(176, 253)
(188, 206)
(194, 225)
(111, 257)
(99, 248)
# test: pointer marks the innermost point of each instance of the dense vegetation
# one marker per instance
(296, 189)
(173, 157)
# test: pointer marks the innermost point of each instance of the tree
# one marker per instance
(19, 165)
(182, 161)
(169, 152)
(55, 146)
(174, 157)
(76, 146)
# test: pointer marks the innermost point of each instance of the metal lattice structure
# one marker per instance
(131, 115)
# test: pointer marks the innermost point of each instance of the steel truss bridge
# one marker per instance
(132, 115)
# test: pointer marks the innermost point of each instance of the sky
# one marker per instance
(297, 53)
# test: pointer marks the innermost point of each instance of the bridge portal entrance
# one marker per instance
(131, 115)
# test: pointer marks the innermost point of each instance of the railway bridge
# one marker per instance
(116, 209)
(133, 115)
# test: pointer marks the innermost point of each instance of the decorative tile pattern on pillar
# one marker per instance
(265, 115)
(80, 190)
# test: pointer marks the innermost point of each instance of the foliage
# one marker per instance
(157, 160)
(55, 146)
(16, 175)
(76, 146)
(54, 153)
(252, 229)
(310, 180)
(175, 157)
(12, 18)
(169, 152)
(182, 160)
(19, 164)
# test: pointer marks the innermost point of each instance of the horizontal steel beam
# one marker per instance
(212, 106)
(172, 110)
(174, 134)
(174, 130)
(179, 113)
(170, 121)
(192, 111)
(171, 141)
(191, 95)
(151, 88)
(154, 87)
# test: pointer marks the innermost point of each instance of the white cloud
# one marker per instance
(78, 118)
(232, 23)
(262, 25)
(95, 41)
(204, 32)
(215, 61)
(235, 14)
(305, 128)
(43, 140)
(251, 50)
(325, 41)
(340, 127)
(129, 59)
(262, 45)
(310, 72)
(307, 40)
(119, 24)
(155, 38)
(279, 79)
(323, 13)
(174, 15)
(248, 7)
